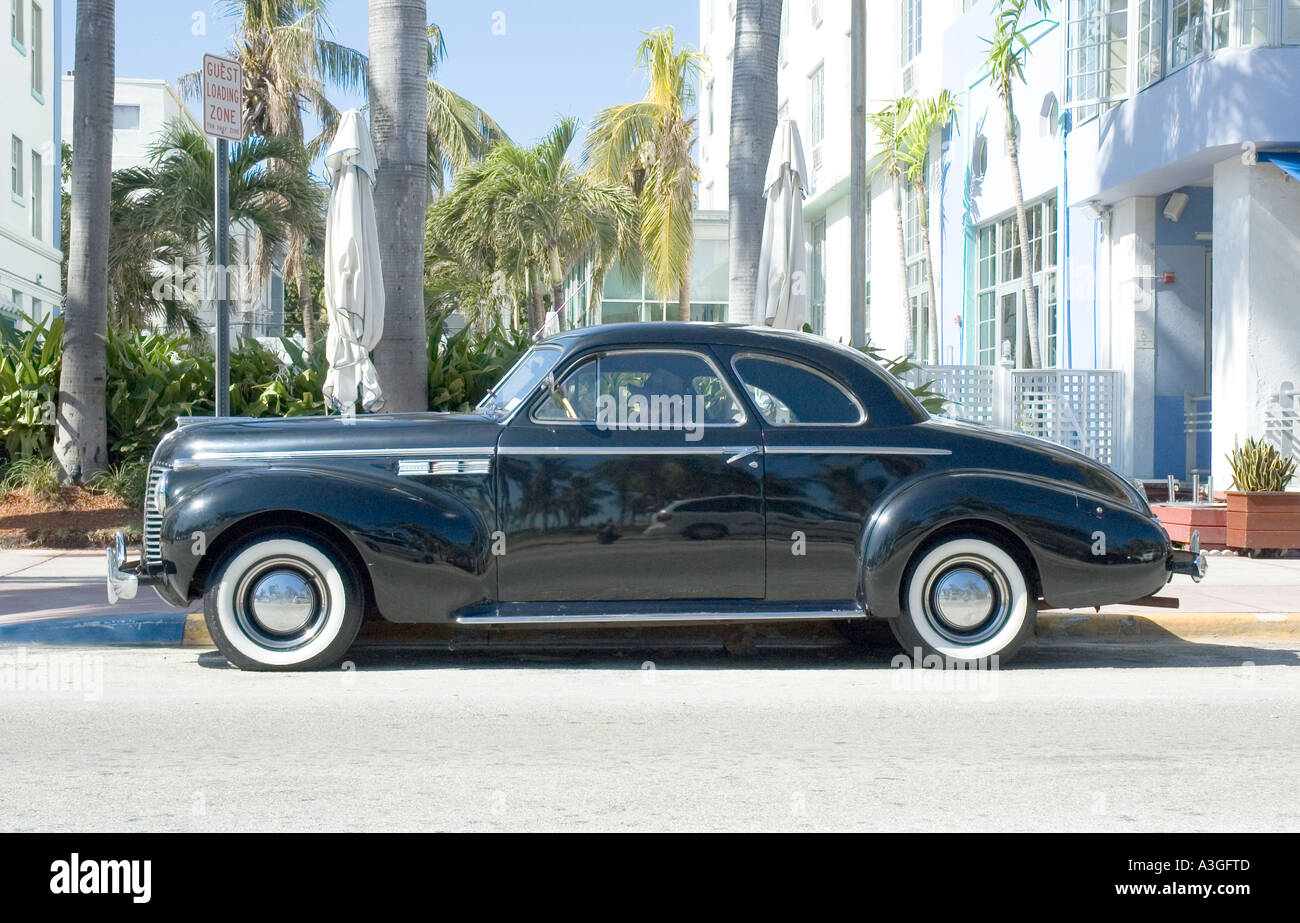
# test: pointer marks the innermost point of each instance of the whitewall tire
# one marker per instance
(965, 599)
(283, 601)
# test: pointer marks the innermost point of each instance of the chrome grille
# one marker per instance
(152, 520)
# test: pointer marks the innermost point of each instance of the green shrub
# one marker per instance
(1258, 466)
(126, 482)
(36, 477)
(465, 366)
(29, 384)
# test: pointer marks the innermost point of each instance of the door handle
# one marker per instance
(743, 454)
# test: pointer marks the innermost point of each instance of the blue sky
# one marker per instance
(557, 57)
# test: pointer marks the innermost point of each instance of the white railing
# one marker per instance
(1077, 408)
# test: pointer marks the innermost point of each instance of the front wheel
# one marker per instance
(284, 601)
(965, 599)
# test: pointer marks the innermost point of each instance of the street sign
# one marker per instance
(223, 98)
(223, 118)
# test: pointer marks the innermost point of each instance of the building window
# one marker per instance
(999, 298)
(918, 292)
(783, 42)
(1254, 21)
(38, 213)
(817, 308)
(817, 86)
(1187, 31)
(17, 33)
(38, 47)
(1150, 41)
(1096, 55)
(868, 261)
(1291, 25)
(126, 118)
(910, 29)
(16, 184)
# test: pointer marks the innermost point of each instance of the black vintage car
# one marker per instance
(640, 474)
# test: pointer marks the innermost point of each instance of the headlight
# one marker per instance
(160, 493)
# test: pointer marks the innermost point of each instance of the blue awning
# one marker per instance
(1288, 162)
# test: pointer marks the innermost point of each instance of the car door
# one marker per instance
(824, 472)
(637, 476)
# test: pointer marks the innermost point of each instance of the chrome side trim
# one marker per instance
(443, 466)
(616, 618)
(853, 450)
(198, 457)
(683, 449)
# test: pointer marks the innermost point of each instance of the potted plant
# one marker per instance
(1262, 514)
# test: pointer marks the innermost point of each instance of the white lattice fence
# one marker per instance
(1077, 408)
(969, 389)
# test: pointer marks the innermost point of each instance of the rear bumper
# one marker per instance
(1192, 564)
(124, 578)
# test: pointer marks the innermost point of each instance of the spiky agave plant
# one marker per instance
(1258, 467)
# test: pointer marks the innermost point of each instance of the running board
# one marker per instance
(654, 618)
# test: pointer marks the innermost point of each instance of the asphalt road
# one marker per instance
(1170, 736)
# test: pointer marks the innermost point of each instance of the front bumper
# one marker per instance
(125, 578)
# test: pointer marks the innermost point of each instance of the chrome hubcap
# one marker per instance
(967, 599)
(282, 601)
(963, 597)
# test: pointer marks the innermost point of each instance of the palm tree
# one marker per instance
(81, 435)
(1005, 63)
(893, 160)
(753, 124)
(530, 212)
(927, 117)
(647, 146)
(162, 211)
(399, 116)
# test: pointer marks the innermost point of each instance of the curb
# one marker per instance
(1199, 626)
(190, 630)
(165, 630)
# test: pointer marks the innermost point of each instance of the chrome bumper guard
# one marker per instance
(124, 578)
(1192, 562)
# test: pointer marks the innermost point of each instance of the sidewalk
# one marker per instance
(54, 596)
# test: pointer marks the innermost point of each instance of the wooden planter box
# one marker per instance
(1182, 519)
(1263, 520)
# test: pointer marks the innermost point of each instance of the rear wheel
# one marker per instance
(965, 599)
(284, 601)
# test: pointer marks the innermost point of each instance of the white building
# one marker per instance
(1165, 250)
(142, 108)
(30, 125)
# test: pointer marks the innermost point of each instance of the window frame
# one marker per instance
(37, 34)
(863, 417)
(17, 179)
(993, 287)
(537, 400)
(37, 189)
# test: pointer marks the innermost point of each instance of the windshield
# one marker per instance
(520, 381)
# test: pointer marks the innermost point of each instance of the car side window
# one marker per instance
(643, 390)
(789, 394)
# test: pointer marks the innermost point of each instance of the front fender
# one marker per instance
(426, 550)
(1057, 526)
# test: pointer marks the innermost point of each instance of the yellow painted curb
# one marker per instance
(1270, 626)
(196, 632)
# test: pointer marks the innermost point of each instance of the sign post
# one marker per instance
(223, 118)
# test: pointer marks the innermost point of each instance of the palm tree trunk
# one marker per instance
(399, 107)
(306, 303)
(932, 321)
(1026, 256)
(684, 295)
(909, 338)
(538, 315)
(753, 123)
(81, 437)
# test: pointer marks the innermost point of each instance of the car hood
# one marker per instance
(284, 438)
(977, 446)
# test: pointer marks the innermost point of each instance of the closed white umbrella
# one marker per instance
(782, 296)
(354, 279)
